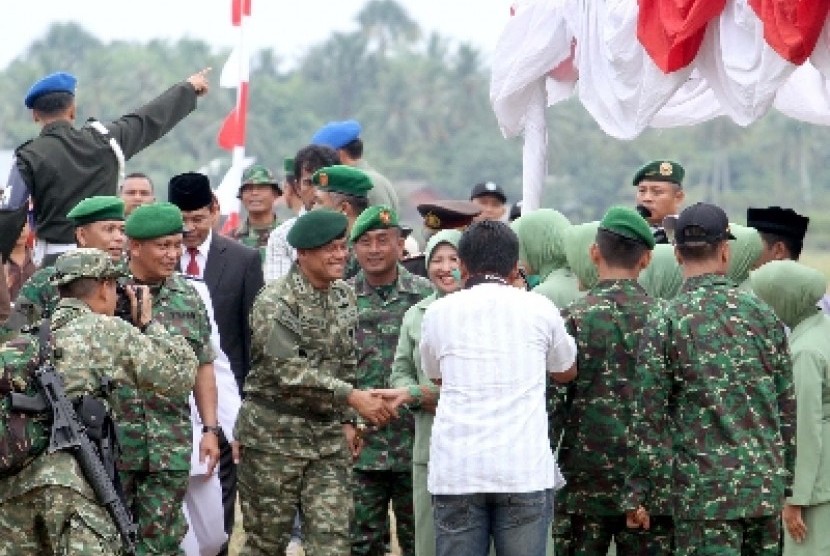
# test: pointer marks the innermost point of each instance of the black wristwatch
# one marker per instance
(215, 429)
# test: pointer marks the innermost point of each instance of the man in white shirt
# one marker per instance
(491, 347)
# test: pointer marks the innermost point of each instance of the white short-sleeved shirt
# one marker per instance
(492, 346)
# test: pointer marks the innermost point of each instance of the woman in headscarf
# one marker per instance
(412, 384)
(578, 240)
(542, 253)
(663, 277)
(793, 290)
(744, 251)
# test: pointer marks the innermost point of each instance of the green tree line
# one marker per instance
(423, 102)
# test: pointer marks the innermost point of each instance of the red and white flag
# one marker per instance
(235, 75)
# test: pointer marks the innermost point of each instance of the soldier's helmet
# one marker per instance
(84, 262)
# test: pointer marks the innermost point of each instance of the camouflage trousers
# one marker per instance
(155, 500)
(54, 520)
(372, 492)
(759, 536)
(271, 485)
(583, 535)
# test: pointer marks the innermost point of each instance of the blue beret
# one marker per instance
(59, 82)
(337, 134)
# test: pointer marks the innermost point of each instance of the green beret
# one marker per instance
(317, 228)
(154, 220)
(288, 166)
(84, 262)
(376, 217)
(628, 223)
(660, 170)
(95, 209)
(342, 179)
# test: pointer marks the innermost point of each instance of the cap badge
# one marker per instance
(666, 169)
(431, 220)
(323, 179)
(384, 217)
(490, 186)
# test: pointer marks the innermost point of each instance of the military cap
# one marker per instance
(84, 262)
(337, 134)
(317, 228)
(628, 223)
(258, 175)
(342, 179)
(488, 188)
(660, 170)
(59, 82)
(96, 209)
(780, 221)
(515, 211)
(376, 217)
(448, 214)
(699, 224)
(154, 220)
(190, 191)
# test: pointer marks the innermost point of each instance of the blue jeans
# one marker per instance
(518, 523)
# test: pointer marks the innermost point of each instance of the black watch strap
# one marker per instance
(215, 429)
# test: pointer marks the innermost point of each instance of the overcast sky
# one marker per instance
(289, 27)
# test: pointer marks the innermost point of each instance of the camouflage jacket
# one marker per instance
(93, 347)
(378, 326)
(714, 382)
(256, 238)
(303, 361)
(156, 431)
(606, 324)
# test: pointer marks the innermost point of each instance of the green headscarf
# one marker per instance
(663, 277)
(744, 250)
(790, 288)
(451, 237)
(578, 240)
(541, 246)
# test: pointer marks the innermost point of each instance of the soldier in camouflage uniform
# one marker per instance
(344, 189)
(606, 324)
(48, 507)
(383, 471)
(157, 433)
(713, 386)
(296, 425)
(258, 192)
(99, 224)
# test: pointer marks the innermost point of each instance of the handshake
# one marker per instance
(379, 406)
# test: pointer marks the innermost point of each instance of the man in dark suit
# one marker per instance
(233, 275)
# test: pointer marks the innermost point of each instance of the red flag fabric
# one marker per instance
(671, 30)
(231, 223)
(792, 27)
(232, 132)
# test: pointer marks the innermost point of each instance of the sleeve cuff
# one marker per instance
(342, 391)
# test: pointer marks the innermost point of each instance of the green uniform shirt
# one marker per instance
(157, 432)
(93, 347)
(303, 361)
(65, 165)
(607, 325)
(714, 386)
(256, 238)
(378, 327)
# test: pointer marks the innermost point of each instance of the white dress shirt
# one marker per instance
(493, 346)
(201, 256)
(279, 255)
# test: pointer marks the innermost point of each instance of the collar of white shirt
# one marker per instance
(201, 258)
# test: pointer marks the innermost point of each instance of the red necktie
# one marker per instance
(192, 266)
